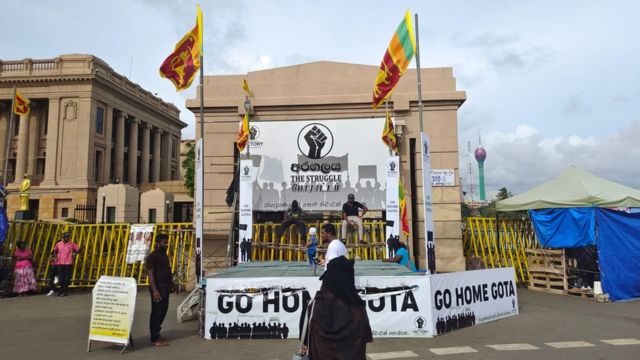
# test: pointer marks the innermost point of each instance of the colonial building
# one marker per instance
(329, 90)
(88, 127)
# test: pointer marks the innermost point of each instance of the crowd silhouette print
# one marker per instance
(455, 322)
(263, 330)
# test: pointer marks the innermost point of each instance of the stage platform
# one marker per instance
(286, 269)
(245, 301)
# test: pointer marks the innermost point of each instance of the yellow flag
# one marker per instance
(243, 133)
(182, 65)
(21, 105)
(245, 87)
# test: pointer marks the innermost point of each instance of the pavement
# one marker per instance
(548, 327)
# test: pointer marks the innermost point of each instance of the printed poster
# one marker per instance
(140, 237)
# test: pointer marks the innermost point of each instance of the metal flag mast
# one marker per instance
(8, 137)
(418, 73)
(200, 192)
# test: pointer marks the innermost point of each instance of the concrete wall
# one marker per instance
(330, 90)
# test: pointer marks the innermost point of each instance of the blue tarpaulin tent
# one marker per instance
(571, 211)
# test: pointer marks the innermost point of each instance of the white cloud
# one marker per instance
(523, 158)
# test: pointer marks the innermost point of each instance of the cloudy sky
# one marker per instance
(549, 83)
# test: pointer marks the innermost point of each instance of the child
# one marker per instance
(312, 248)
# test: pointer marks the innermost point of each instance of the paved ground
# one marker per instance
(548, 327)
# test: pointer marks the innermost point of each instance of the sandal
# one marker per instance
(160, 343)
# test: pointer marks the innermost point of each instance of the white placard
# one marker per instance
(318, 163)
(199, 191)
(112, 309)
(470, 298)
(443, 177)
(428, 204)
(245, 220)
(393, 202)
(140, 236)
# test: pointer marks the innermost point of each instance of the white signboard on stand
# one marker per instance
(112, 310)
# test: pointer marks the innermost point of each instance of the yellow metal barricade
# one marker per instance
(292, 247)
(500, 244)
(103, 250)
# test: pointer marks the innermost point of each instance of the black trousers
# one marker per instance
(53, 272)
(158, 312)
(64, 275)
(302, 228)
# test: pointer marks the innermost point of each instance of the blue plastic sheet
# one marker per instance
(619, 253)
(564, 228)
(4, 224)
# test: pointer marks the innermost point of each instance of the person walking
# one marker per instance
(339, 327)
(160, 284)
(24, 279)
(336, 247)
(350, 215)
(64, 252)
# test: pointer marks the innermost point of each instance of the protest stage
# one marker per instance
(259, 300)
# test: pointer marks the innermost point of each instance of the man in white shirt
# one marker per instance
(336, 248)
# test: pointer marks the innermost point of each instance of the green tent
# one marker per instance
(573, 188)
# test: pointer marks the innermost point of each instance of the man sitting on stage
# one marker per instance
(293, 216)
(350, 216)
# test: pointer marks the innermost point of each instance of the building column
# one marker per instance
(119, 166)
(51, 162)
(32, 152)
(144, 160)
(155, 165)
(133, 152)
(4, 134)
(166, 157)
(106, 166)
(23, 148)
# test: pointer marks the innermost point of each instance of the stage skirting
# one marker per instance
(266, 299)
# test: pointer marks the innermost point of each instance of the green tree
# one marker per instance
(503, 193)
(189, 165)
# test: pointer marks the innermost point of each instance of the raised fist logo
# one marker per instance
(316, 140)
(253, 133)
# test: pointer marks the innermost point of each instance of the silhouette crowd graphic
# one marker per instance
(263, 330)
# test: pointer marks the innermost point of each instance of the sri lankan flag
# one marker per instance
(404, 219)
(388, 136)
(21, 105)
(243, 133)
(395, 60)
(182, 65)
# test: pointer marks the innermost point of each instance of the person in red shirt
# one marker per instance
(64, 252)
(160, 284)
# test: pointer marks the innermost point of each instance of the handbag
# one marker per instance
(307, 321)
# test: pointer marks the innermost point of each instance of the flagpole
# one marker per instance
(247, 106)
(200, 272)
(8, 141)
(419, 77)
